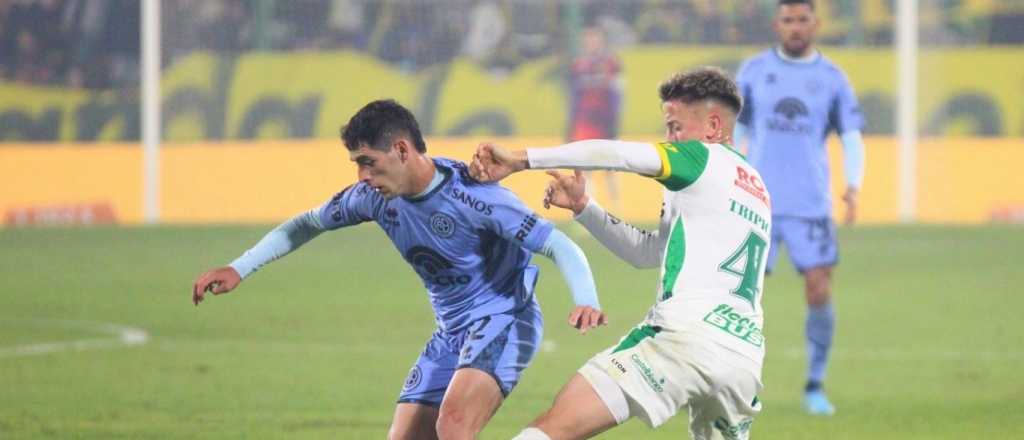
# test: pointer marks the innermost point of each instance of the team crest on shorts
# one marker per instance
(442, 224)
(415, 376)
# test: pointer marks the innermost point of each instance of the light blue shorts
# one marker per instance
(810, 242)
(500, 345)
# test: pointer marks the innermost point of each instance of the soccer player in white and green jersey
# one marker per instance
(700, 348)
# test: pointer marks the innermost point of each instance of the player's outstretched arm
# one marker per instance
(571, 261)
(492, 163)
(280, 241)
(640, 248)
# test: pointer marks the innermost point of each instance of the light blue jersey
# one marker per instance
(789, 109)
(469, 242)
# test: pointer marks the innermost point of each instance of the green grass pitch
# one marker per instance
(929, 346)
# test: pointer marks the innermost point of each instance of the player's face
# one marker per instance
(384, 171)
(685, 122)
(795, 26)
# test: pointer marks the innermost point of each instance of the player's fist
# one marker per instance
(492, 163)
(585, 318)
(569, 192)
(216, 281)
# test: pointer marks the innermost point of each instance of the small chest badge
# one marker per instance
(442, 224)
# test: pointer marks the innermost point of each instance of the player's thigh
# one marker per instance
(655, 370)
(811, 243)
(413, 421)
(430, 375)
(729, 412)
(578, 412)
(472, 399)
(503, 346)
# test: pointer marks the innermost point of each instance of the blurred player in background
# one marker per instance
(700, 348)
(793, 97)
(596, 96)
(471, 244)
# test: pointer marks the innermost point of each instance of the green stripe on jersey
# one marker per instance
(635, 336)
(682, 163)
(675, 254)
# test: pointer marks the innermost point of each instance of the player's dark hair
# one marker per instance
(702, 84)
(809, 3)
(378, 124)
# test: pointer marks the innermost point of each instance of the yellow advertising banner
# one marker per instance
(959, 180)
(963, 92)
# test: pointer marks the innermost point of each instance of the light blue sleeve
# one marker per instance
(574, 267)
(853, 158)
(283, 239)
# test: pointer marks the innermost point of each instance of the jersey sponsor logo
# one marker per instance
(414, 378)
(434, 268)
(442, 224)
(791, 108)
(748, 214)
(725, 318)
(647, 373)
(751, 183)
(526, 226)
(792, 112)
(472, 202)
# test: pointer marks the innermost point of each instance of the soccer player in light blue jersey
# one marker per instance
(470, 243)
(793, 97)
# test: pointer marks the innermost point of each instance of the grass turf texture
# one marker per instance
(318, 344)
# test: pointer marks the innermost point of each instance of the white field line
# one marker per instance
(114, 336)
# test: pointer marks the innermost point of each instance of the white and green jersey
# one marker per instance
(712, 241)
(717, 223)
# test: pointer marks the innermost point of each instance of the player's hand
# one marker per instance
(850, 197)
(216, 281)
(492, 163)
(569, 192)
(585, 318)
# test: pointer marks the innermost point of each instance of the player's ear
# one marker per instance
(714, 127)
(402, 148)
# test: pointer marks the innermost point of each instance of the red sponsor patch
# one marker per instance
(752, 184)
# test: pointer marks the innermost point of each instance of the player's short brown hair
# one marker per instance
(705, 83)
(809, 3)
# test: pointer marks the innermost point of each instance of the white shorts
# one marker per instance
(661, 373)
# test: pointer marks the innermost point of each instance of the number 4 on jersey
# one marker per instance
(746, 263)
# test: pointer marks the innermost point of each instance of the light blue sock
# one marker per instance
(821, 323)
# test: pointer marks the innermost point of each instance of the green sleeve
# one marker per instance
(682, 163)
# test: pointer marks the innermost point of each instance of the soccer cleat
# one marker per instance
(816, 404)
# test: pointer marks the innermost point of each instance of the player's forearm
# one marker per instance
(574, 267)
(283, 239)
(598, 154)
(640, 248)
(853, 158)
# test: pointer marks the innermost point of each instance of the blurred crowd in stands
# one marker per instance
(95, 43)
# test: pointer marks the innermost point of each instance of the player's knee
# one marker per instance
(455, 424)
(401, 433)
(818, 286)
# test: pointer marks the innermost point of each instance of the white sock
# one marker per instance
(532, 433)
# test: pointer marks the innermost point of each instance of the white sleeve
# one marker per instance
(636, 246)
(599, 154)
